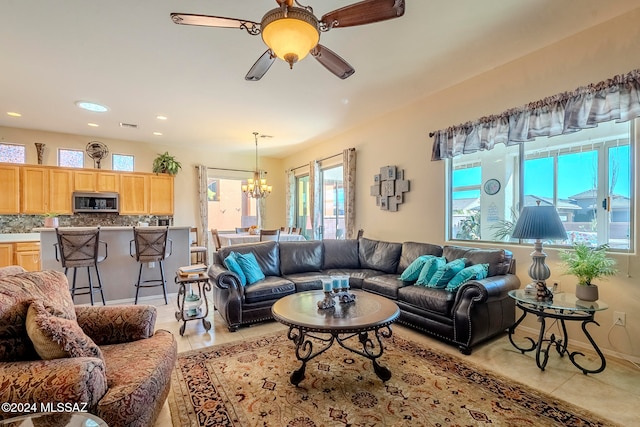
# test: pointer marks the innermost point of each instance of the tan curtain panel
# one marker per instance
(290, 199)
(349, 185)
(203, 229)
(617, 99)
(315, 205)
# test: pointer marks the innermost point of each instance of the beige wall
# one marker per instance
(401, 139)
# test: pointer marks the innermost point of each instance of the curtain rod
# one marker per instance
(232, 170)
(320, 160)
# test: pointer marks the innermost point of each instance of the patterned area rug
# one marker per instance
(247, 384)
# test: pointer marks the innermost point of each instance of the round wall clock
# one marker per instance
(492, 186)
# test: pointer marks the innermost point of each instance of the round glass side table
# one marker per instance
(564, 307)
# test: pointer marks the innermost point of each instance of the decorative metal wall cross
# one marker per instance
(389, 188)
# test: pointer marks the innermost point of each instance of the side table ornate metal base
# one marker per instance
(193, 304)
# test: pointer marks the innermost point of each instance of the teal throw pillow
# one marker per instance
(232, 265)
(412, 272)
(250, 267)
(441, 277)
(477, 272)
(429, 268)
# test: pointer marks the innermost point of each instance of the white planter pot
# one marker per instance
(587, 292)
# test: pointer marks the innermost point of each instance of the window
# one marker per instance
(122, 162)
(332, 200)
(70, 158)
(586, 175)
(12, 153)
(303, 215)
(228, 206)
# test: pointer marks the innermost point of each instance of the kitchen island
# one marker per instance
(119, 271)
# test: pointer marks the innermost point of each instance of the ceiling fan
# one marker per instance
(291, 32)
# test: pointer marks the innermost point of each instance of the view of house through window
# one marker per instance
(12, 153)
(332, 203)
(586, 175)
(228, 206)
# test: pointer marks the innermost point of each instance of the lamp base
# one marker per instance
(542, 292)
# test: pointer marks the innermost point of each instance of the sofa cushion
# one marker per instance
(446, 272)
(429, 268)
(250, 267)
(300, 257)
(385, 284)
(16, 293)
(378, 255)
(266, 254)
(432, 299)
(270, 289)
(340, 254)
(477, 272)
(412, 250)
(55, 337)
(499, 260)
(231, 262)
(309, 281)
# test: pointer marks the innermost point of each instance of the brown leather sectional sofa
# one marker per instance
(478, 310)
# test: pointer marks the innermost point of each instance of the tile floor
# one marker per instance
(613, 393)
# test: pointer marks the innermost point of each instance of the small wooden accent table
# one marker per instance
(308, 325)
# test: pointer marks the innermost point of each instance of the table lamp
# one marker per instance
(539, 222)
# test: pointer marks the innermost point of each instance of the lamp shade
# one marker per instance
(539, 222)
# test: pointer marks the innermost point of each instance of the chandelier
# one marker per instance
(257, 187)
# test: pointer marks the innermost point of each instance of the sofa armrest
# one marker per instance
(117, 324)
(79, 380)
(223, 278)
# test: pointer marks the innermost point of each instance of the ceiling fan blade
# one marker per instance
(364, 12)
(215, 21)
(332, 62)
(261, 66)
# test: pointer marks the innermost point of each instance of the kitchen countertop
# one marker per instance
(109, 228)
(19, 237)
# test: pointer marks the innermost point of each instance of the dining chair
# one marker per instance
(216, 239)
(242, 229)
(78, 248)
(285, 230)
(295, 230)
(196, 251)
(269, 235)
(360, 233)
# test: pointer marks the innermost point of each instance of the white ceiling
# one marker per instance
(128, 55)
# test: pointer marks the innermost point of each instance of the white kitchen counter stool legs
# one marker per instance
(150, 245)
(80, 247)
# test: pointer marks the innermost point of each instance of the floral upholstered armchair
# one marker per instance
(106, 359)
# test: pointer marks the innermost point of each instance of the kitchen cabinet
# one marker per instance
(10, 179)
(161, 194)
(134, 192)
(6, 254)
(34, 190)
(60, 191)
(27, 255)
(92, 180)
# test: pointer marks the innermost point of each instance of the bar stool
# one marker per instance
(200, 252)
(79, 247)
(149, 244)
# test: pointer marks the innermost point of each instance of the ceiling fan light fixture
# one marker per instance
(290, 33)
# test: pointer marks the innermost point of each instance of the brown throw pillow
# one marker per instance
(55, 337)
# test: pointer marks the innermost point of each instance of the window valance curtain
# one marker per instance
(617, 99)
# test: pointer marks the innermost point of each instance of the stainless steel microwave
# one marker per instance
(96, 202)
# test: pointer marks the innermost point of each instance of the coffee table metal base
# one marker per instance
(370, 346)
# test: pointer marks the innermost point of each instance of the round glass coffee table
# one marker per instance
(56, 419)
(357, 326)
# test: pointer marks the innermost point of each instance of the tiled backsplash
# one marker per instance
(25, 223)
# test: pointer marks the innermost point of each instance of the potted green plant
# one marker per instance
(51, 219)
(166, 163)
(588, 263)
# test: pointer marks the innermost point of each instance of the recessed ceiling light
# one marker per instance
(161, 117)
(157, 133)
(13, 114)
(93, 125)
(92, 106)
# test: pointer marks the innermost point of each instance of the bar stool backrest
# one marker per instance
(78, 247)
(150, 243)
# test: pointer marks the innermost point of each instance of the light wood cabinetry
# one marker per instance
(6, 254)
(27, 255)
(60, 191)
(34, 189)
(10, 179)
(161, 194)
(92, 180)
(134, 194)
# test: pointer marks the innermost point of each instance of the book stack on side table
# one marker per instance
(192, 271)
